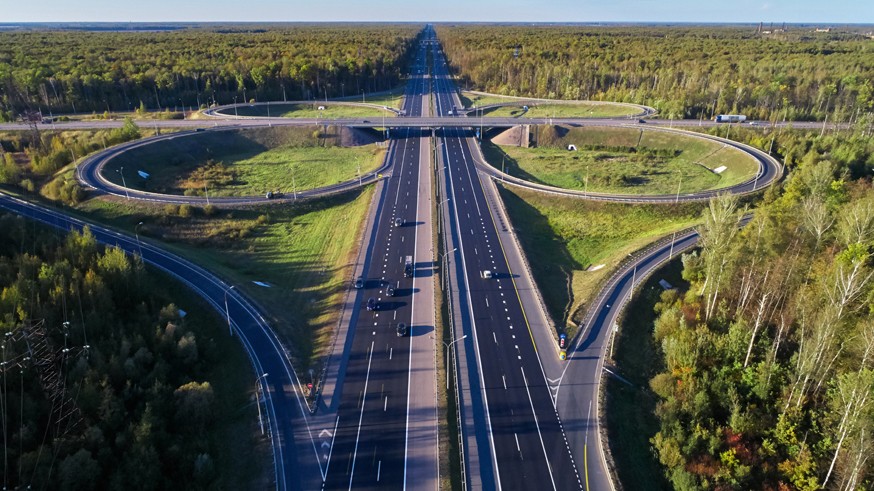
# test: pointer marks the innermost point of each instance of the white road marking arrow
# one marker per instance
(325, 432)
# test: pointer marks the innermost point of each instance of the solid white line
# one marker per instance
(537, 424)
(361, 417)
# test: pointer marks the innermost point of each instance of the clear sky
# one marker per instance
(808, 11)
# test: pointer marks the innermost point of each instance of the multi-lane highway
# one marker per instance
(527, 422)
(386, 425)
(513, 435)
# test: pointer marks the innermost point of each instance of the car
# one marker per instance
(486, 274)
(401, 329)
(641, 121)
(359, 283)
(390, 291)
(371, 304)
(562, 341)
(269, 195)
(399, 222)
(366, 121)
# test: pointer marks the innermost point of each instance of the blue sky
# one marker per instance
(808, 11)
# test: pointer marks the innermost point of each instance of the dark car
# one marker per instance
(401, 329)
(371, 304)
(399, 222)
(389, 291)
(641, 121)
(359, 282)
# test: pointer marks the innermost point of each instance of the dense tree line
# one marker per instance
(65, 71)
(685, 72)
(134, 402)
(768, 376)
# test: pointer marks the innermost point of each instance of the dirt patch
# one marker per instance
(515, 136)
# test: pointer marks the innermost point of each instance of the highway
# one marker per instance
(386, 425)
(528, 422)
(513, 437)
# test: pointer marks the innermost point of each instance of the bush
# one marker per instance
(185, 211)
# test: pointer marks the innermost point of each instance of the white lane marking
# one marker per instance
(385, 408)
(537, 424)
(361, 417)
(518, 449)
(495, 337)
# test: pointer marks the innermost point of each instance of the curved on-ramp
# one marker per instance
(770, 170)
(220, 111)
(90, 174)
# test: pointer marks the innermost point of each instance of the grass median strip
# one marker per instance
(310, 110)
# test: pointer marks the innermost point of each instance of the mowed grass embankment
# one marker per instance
(624, 161)
(564, 237)
(245, 162)
(304, 251)
(331, 111)
(564, 110)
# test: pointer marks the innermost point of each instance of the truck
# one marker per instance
(408, 267)
(730, 118)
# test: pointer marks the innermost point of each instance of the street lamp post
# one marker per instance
(258, 400)
(121, 172)
(443, 263)
(227, 311)
(137, 235)
(448, 352)
(235, 107)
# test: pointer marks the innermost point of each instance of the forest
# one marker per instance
(58, 71)
(107, 382)
(767, 379)
(683, 71)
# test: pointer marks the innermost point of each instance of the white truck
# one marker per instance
(730, 118)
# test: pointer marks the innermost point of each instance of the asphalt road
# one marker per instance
(282, 403)
(521, 444)
(371, 447)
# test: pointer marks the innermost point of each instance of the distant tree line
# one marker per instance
(114, 387)
(685, 72)
(72, 71)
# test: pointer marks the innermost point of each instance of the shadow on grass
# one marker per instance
(548, 256)
(497, 158)
(630, 409)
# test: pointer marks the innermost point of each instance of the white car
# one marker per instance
(486, 274)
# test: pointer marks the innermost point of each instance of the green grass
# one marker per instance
(243, 162)
(630, 410)
(305, 251)
(331, 111)
(563, 237)
(581, 110)
(629, 161)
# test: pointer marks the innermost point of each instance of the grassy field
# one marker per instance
(331, 111)
(391, 98)
(305, 251)
(630, 409)
(244, 162)
(624, 160)
(581, 110)
(563, 237)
